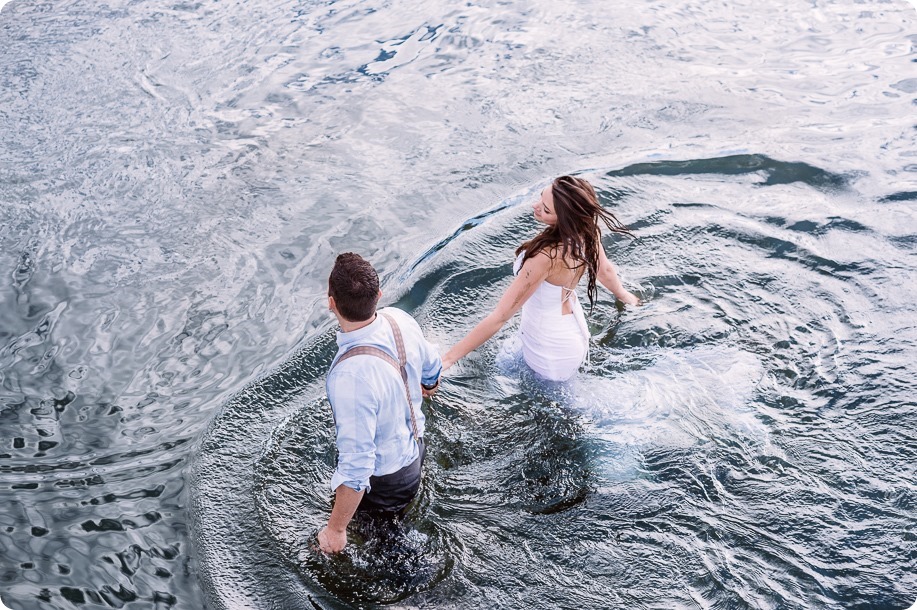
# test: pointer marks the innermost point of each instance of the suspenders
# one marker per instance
(399, 364)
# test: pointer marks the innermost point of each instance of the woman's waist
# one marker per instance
(550, 320)
(551, 305)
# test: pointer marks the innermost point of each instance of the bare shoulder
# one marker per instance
(540, 263)
(558, 263)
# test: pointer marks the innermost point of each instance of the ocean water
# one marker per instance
(177, 178)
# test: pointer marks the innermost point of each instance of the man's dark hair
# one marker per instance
(354, 285)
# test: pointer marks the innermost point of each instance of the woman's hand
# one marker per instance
(629, 298)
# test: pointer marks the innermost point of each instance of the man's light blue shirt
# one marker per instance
(371, 415)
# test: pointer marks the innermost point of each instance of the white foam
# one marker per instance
(680, 400)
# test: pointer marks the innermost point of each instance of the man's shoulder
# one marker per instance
(354, 376)
(400, 316)
(394, 311)
(358, 364)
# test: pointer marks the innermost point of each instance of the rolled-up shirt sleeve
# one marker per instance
(432, 363)
(355, 412)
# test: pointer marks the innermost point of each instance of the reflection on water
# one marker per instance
(176, 179)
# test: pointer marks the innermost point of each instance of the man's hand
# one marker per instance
(330, 541)
(428, 391)
(333, 537)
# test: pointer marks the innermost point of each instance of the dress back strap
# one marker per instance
(400, 364)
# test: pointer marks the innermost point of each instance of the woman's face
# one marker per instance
(544, 207)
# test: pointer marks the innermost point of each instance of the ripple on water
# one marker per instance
(175, 178)
(679, 458)
(384, 562)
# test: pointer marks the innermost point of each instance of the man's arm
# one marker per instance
(333, 537)
(432, 367)
(354, 408)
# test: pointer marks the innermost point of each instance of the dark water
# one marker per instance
(175, 180)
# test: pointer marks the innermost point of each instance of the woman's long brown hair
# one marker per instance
(576, 233)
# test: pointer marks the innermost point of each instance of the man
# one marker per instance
(376, 384)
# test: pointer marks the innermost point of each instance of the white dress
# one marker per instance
(554, 344)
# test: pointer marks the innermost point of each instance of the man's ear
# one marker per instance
(331, 304)
(380, 293)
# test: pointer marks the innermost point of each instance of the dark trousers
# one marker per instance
(391, 493)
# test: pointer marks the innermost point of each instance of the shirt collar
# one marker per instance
(345, 339)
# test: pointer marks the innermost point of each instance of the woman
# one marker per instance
(553, 332)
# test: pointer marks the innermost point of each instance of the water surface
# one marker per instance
(176, 180)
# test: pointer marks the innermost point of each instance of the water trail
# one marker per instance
(668, 442)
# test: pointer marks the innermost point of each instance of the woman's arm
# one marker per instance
(608, 277)
(533, 272)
